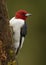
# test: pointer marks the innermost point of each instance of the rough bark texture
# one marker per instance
(5, 34)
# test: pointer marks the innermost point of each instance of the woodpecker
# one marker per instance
(19, 26)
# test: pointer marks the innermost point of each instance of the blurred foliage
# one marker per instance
(12, 62)
(33, 51)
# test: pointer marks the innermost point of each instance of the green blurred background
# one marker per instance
(34, 48)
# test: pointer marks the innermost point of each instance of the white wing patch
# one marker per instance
(22, 42)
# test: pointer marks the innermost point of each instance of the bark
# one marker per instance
(5, 33)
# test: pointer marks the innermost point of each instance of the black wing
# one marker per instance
(24, 30)
(23, 33)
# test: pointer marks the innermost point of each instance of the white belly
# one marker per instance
(16, 37)
(16, 24)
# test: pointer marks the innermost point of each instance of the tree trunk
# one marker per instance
(5, 34)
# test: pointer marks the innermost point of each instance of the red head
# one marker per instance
(22, 14)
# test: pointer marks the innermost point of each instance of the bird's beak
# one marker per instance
(28, 14)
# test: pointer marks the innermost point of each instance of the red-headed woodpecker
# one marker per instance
(18, 23)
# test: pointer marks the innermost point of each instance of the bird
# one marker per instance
(19, 27)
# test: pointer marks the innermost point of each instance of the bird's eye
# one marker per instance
(23, 14)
